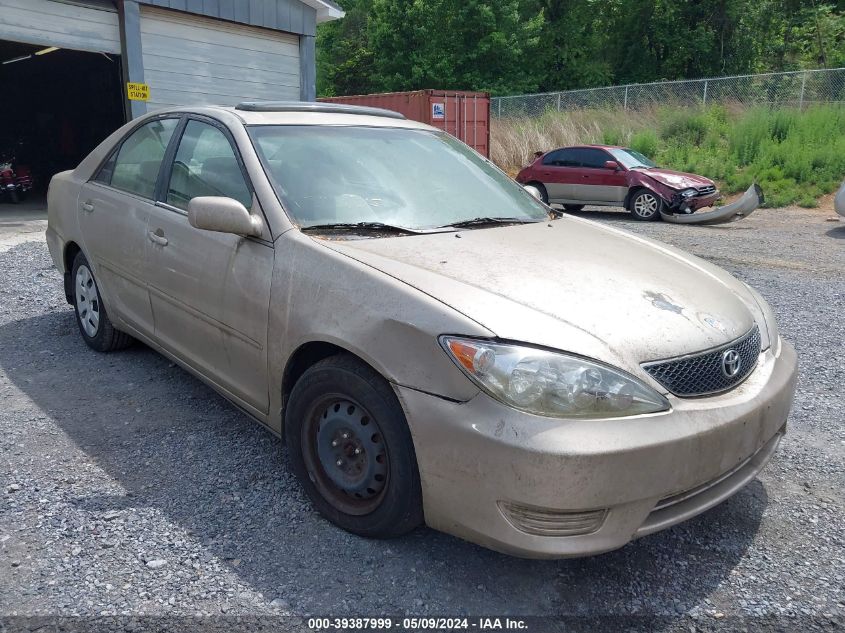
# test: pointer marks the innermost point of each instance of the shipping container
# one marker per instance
(465, 115)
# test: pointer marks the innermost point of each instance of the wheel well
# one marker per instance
(71, 251)
(308, 355)
(304, 357)
(631, 193)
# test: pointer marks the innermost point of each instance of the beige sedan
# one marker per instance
(433, 345)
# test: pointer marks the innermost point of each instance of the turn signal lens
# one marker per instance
(552, 384)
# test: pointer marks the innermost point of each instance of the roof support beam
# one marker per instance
(131, 54)
(307, 68)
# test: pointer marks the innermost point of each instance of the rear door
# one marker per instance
(559, 175)
(210, 292)
(113, 211)
(597, 183)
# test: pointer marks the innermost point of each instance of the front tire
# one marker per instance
(351, 449)
(646, 206)
(94, 324)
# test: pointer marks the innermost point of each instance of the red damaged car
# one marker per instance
(615, 176)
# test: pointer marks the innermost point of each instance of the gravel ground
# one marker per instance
(128, 487)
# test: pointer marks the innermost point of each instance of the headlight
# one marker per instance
(688, 193)
(549, 383)
(771, 327)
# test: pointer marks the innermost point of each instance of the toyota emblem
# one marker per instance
(731, 363)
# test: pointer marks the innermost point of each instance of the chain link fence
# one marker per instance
(798, 89)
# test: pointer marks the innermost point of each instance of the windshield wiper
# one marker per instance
(463, 224)
(360, 226)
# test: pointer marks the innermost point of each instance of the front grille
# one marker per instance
(703, 374)
(706, 191)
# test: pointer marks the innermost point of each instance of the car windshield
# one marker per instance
(630, 159)
(359, 177)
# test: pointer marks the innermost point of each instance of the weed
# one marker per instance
(795, 156)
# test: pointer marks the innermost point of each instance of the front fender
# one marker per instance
(638, 180)
(742, 208)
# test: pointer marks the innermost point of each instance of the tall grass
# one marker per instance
(795, 156)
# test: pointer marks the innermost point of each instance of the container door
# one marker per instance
(464, 117)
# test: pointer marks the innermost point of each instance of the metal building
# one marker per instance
(71, 71)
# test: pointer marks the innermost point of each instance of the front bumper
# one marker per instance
(640, 474)
(701, 202)
(742, 208)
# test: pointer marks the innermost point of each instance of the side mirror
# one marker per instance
(533, 191)
(612, 164)
(223, 215)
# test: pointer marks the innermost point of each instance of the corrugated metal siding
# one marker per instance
(189, 60)
(48, 23)
(282, 15)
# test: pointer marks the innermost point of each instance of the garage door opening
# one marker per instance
(58, 105)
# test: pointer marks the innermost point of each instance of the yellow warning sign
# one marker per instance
(138, 92)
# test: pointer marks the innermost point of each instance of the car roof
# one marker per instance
(591, 145)
(301, 113)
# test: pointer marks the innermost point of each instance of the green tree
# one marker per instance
(344, 57)
(571, 51)
(517, 46)
(453, 44)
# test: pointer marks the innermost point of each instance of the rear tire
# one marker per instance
(94, 324)
(573, 208)
(544, 194)
(646, 206)
(351, 449)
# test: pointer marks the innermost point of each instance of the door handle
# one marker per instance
(155, 238)
(87, 206)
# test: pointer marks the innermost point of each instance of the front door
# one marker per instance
(596, 183)
(114, 208)
(210, 292)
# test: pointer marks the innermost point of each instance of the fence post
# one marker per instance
(803, 85)
(500, 107)
(558, 102)
(625, 107)
(705, 93)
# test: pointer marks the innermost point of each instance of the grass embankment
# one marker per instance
(795, 156)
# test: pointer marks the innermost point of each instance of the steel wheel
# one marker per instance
(87, 301)
(346, 456)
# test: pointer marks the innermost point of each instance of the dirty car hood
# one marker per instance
(574, 285)
(678, 179)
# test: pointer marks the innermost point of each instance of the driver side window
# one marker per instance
(206, 165)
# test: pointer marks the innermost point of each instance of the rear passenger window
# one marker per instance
(561, 158)
(206, 165)
(135, 167)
